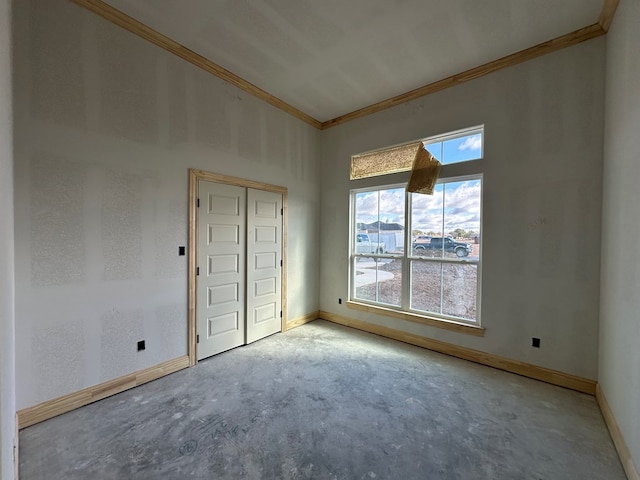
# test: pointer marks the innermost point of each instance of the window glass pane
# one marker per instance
(460, 287)
(462, 219)
(365, 279)
(380, 220)
(426, 285)
(378, 280)
(427, 222)
(462, 149)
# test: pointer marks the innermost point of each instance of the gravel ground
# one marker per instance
(459, 293)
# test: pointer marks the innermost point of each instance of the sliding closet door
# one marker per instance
(264, 257)
(221, 263)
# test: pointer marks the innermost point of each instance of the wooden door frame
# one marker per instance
(194, 177)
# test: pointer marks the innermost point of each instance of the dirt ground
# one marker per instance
(428, 278)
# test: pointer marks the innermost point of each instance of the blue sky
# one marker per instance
(457, 149)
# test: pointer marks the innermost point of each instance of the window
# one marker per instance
(417, 253)
(454, 147)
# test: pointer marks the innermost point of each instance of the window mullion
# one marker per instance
(444, 199)
(406, 263)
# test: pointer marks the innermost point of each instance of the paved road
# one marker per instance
(366, 272)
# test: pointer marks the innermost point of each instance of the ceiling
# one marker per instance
(328, 58)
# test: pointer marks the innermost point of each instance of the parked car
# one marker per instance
(422, 239)
(438, 243)
(364, 244)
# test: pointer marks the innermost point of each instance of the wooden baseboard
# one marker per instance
(309, 317)
(616, 435)
(547, 375)
(57, 406)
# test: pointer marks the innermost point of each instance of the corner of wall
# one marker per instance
(616, 435)
(16, 450)
(619, 325)
(8, 453)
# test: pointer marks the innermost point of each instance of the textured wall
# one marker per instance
(7, 317)
(107, 126)
(541, 212)
(620, 304)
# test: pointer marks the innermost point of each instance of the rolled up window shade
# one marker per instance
(384, 162)
(424, 167)
(425, 172)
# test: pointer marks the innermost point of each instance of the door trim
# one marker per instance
(196, 175)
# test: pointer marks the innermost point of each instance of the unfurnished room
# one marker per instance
(297, 239)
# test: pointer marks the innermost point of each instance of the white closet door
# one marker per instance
(264, 271)
(221, 261)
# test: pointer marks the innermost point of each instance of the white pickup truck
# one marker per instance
(365, 245)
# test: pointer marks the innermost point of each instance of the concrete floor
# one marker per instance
(327, 402)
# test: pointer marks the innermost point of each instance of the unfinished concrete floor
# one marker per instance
(327, 402)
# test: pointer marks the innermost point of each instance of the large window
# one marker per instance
(417, 253)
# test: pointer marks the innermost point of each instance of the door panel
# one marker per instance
(264, 272)
(221, 284)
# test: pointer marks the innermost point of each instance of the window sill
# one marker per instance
(422, 319)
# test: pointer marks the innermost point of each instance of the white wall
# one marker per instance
(7, 318)
(620, 281)
(107, 126)
(543, 160)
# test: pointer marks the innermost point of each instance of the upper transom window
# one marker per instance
(454, 147)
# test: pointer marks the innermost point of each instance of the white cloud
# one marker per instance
(386, 206)
(458, 201)
(473, 142)
(461, 208)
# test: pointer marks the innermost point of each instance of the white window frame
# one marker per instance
(471, 171)
(408, 257)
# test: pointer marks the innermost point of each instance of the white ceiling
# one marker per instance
(331, 57)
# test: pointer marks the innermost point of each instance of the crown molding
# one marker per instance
(568, 40)
(606, 15)
(138, 28)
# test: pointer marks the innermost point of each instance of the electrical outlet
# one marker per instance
(535, 342)
(340, 301)
(141, 345)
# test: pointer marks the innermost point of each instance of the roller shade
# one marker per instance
(424, 167)
(424, 173)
